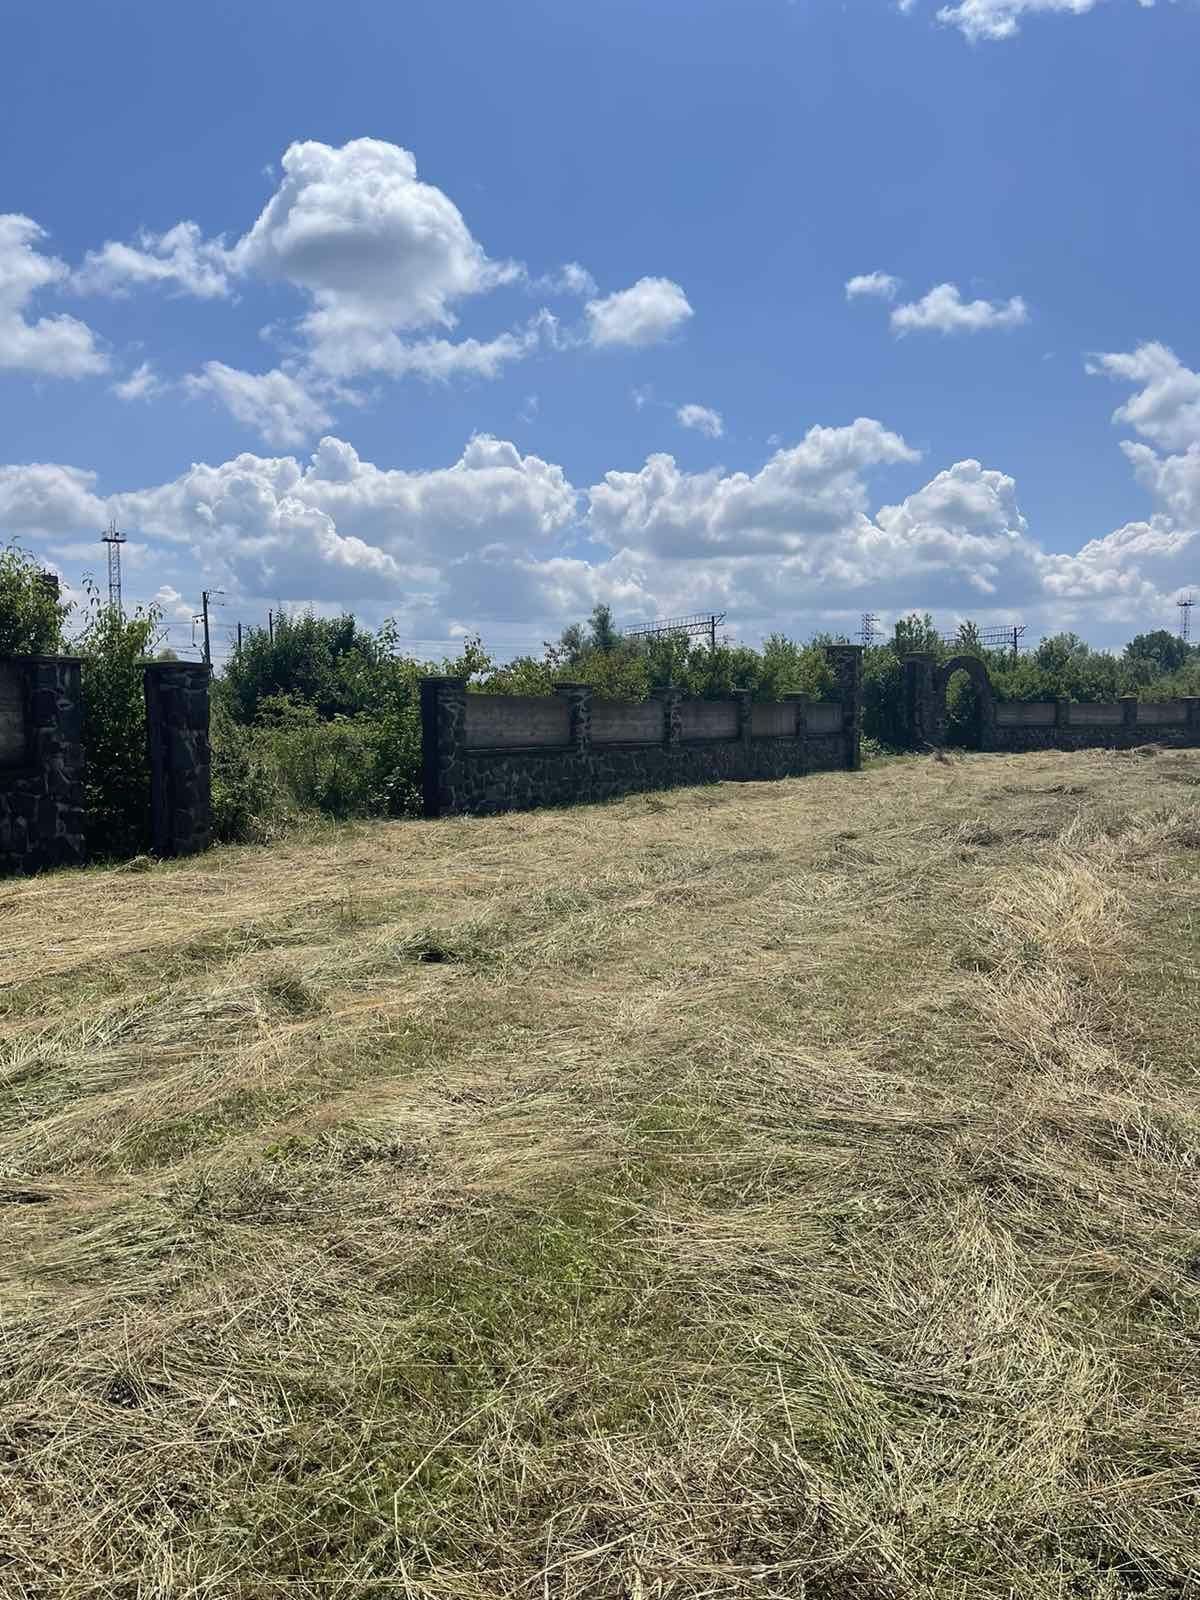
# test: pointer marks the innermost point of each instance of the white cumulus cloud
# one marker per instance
(703, 418)
(143, 383)
(44, 498)
(276, 405)
(370, 243)
(570, 279)
(943, 310)
(501, 540)
(386, 264)
(180, 258)
(880, 285)
(649, 312)
(56, 346)
(1167, 408)
(342, 529)
(1001, 19)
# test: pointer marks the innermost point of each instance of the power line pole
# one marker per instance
(206, 597)
(271, 626)
(114, 540)
(239, 643)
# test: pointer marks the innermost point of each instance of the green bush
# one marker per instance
(117, 773)
(31, 614)
(249, 805)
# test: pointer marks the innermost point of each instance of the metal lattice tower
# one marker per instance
(869, 631)
(1005, 637)
(699, 623)
(114, 540)
(1185, 618)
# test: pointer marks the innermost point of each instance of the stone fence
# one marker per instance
(43, 761)
(1062, 724)
(488, 753)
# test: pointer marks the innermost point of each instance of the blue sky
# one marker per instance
(565, 289)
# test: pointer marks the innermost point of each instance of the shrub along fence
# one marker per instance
(488, 753)
(43, 761)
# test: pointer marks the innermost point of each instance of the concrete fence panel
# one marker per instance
(499, 721)
(628, 722)
(1156, 713)
(825, 716)
(1110, 713)
(1026, 713)
(772, 720)
(708, 719)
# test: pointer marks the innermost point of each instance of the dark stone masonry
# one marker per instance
(180, 769)
(41, 763)
(490, 753)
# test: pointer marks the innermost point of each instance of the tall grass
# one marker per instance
(269, 779)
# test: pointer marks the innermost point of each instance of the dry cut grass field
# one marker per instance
(773, 1190)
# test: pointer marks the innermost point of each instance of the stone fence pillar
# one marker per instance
(41, 763)
(846, 661)
(180, 771)
(579, 699)
(672, 720)
(801, 703)
(1062, 711)
(1129, 705)
(743, 699)
(443, 742)
(920, 711)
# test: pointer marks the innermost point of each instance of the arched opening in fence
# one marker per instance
(971, 718)
(965, 703)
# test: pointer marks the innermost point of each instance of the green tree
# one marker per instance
(968, 642)
(1154, 655)
(328, 663)
(606, 637)
(31, 612)
(916, 632)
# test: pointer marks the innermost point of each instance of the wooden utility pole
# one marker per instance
(206, 598)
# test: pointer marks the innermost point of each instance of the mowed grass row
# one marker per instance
(785, 1189)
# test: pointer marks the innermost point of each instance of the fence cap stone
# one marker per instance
(37, 661)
